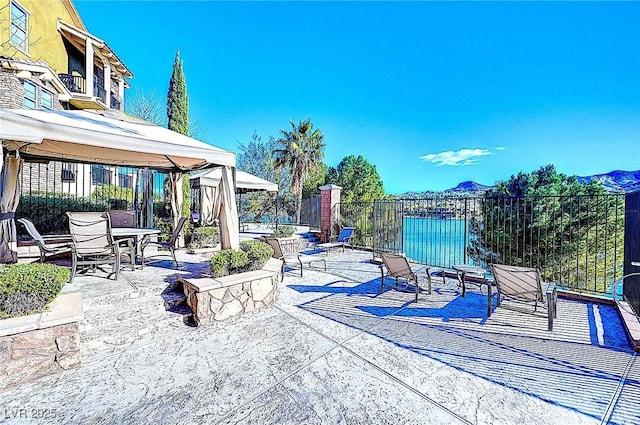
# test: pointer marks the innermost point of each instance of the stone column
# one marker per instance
(88, 64)
(107, 84)
(121, 92)
(329, 211)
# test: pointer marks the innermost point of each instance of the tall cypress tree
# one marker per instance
(178, 119)
(177, 100)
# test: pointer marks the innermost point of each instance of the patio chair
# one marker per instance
(291, 258)
(122, 218)
(93, 243)
(398, 267)
(40, 240)
(170, 244)
(524, 284)
(343, 239)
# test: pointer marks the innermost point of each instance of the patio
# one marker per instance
(332, 350)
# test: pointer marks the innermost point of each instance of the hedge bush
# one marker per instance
(28, 288)
(252, 256)
(284, 231)
(47, 211)
(202, 237)
(227, 262)
(258, 253)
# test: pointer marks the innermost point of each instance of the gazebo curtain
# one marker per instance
(229, 231)
(208, 200)
(9, 198)
(175, 180)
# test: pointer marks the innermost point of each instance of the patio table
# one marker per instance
(479, 273)
(137, 233)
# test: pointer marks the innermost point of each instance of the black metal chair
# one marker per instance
(169, 244)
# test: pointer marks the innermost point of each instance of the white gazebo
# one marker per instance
(209, 184)
(110, 138)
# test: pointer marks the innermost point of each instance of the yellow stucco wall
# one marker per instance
(45, 42)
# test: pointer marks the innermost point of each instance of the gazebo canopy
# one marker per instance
(105, 137)
(245, 182)
(110, 138)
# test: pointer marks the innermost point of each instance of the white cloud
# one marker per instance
(500, 148)
(461, 157)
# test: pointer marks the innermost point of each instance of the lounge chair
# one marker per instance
(525, 285)
(291, 258)
(398, 267)
(40, 240)
(170, 244)
(343, 239)
(93, 243)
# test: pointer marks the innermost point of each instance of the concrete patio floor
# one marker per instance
(332, 350)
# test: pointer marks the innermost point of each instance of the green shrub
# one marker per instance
(257, 252)
(228, 261)
(284, 231)
(252, 256)
(47, 211)
(114, 195)
(27, 288)
(165, 225)
(202, 237)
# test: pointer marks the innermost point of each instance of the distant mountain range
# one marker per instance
(469, 186)
(614, 181)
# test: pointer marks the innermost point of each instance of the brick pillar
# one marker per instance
(329, 211)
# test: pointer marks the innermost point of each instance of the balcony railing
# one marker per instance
(115, 102)
(74, 83)
(100, 92)
(78, 84)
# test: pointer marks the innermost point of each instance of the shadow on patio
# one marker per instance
(585, 365)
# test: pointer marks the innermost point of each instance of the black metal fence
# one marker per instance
(576, 241)
(50, 189)
(310, 211)
(263, 207)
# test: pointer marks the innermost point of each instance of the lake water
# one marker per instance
(438, 242)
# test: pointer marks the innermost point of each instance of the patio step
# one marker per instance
(308, 241)
(310, 237)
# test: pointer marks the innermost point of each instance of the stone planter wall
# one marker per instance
(212, 300)
(40, 344)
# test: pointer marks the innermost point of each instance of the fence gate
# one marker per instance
(310, 212)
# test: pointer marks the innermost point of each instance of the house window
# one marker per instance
(69, 171)
(19, 24)
(46, 99)
(100, 175)
(125, 180)
(30, 95)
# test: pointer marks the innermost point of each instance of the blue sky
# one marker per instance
(431, 93)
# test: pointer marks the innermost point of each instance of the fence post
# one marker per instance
(631, 287)
(329, 210)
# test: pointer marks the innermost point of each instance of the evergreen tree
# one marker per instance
(358, 178)
(178, 119)
(256, 157)
(177, 100)
(550, 221)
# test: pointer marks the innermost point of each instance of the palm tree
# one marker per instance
(301, 150)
